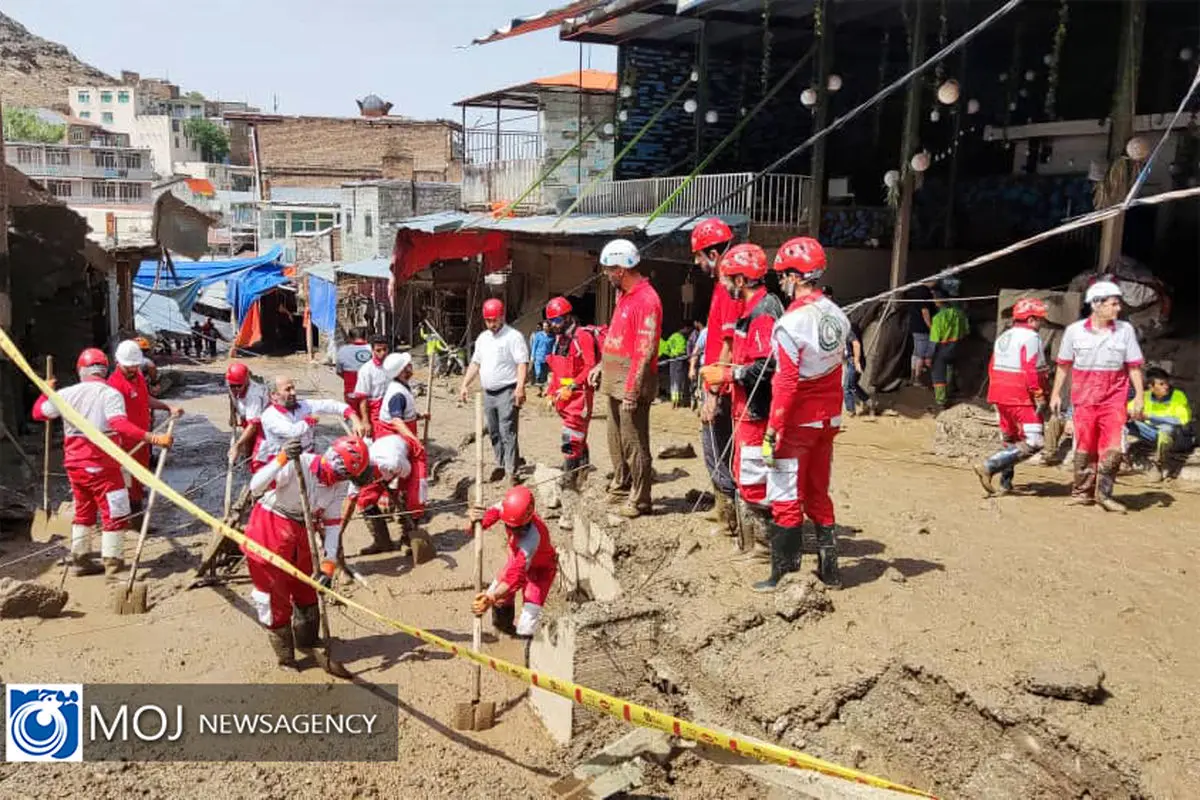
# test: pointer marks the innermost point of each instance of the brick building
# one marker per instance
(328, 151)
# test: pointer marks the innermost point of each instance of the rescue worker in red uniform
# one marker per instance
(575, 353)
(348, 359)
(711, 239)
(808, 344)
(744, 268)
(97, 485)
(399, 404)
(140, 406)
(277, 523)
(1104, 359)
(530, 568)
(394, 482)
(1017, 376)
(372, 383)
(248, 400)
(629, 375)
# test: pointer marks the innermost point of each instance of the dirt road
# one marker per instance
(949, 597)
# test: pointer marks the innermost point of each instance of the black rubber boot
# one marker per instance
(306, 622)
(785, 546)
(381, 541)
(283, 645)
(827, 563)
(504, 619)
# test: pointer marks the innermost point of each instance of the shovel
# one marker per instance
(477, 715)
(131, 598)
(324, 657)
(45, 525)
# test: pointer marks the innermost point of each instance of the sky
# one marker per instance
(312, 56)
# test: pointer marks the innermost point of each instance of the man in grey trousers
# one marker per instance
(501, 360)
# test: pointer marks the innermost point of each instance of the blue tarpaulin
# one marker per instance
(207, 272)
(169, 310)
(322, 300)
(248, 285)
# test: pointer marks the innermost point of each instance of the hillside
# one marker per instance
(36, 72)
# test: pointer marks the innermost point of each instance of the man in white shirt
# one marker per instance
(350, 357)
(501, 360)
(288, 417)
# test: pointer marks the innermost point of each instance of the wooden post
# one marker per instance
(1133, 25)
(307, 317)
(908, 146)
(821, 118)
(477, 623)
(952, 180)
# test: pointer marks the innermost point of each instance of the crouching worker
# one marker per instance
(391, 485)
(277, 523)
(1165, 422)
(530, 569)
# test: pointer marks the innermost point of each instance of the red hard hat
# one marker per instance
(91, 357)
(747, 260)
(349, 456)
(237, 375)
(516, 509)
(710, 233)
(493, 309)
(803, 254)
(1028, 307)
(558, 307)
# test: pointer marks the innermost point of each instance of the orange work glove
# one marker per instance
(164, 440)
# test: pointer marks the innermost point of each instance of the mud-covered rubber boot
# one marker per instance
(827, 560)
(83, 564)
(1106, 478)
(720, 507)
(1084, 482)
(283, 645)
(785, 544)
(504, 619)
(306, 621)
(381, 540)
(1006, 480)
(1001, 463)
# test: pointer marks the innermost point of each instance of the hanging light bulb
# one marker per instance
(627, 91)
(1048, 59)
(1012, 106)
(609, 129)
(891, 178)
(1137, 148)
(934, 115)
(972, 106)
(1023, 93)
(947, 93)
(695, 76)
(622, 115)
(920, 161)
(690, 105)
(809, 97)
(711, 117)
(1030, 74)
(1003, 77)
(1185, 54)
(834, 83)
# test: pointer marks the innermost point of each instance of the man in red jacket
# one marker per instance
(1017, 386)
(744, 267)
(575, 353)
(97, 484)
(629, 375)
(128, 379)
(808, 342)
(530, 569)
(711, 239)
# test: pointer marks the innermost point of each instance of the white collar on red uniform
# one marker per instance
(803, 301)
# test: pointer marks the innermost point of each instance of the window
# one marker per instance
(102, 190)
(106, 97)
(176, 142)
(59, 188)
(197, 111)
(122, 97)
(85, 115)
(106, 117)
(131, 160)
(175, 126)
(106, 159)
(57, 157)
(78, 135)
(129, 191)
(349, 223)
(367, 226)
(83, 97)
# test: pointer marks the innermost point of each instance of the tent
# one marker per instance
(207, 272)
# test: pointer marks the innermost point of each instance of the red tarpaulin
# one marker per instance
(416, 250)
(251, 330)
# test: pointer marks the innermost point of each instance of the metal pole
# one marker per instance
(912, 125)
(579, 124)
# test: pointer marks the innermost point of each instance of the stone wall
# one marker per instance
(387, 203)
(561, 118)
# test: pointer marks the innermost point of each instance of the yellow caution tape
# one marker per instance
(589, 698)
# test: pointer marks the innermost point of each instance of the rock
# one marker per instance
(28, 599)
(545, 480)
(894, 575)
(677, 450)
(779, 726)
(466, 441)
(1082, 683)
(565, 523)
(804, 598)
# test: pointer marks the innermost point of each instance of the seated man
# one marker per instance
(1165, 422)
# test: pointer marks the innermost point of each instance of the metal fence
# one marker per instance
(772, 200)
(487, 145)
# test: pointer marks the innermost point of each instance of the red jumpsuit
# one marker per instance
(1016, 380)
(806, 405)
(576, 352)
(137, 409)
(530, 569)
(371, 385)
(412, 478)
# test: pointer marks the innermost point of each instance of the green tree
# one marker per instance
(24, 125)
(211, 137)
(194, 95)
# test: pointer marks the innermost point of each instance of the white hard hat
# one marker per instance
(129, 354)
(1100, 290)
(395, 363)
(620, 253)
(387, 453)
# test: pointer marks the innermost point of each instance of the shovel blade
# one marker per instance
(47, 526)
(464, 716)
(421, 547)
(331, 665)
(130, 601)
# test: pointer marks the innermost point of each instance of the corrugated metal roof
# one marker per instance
(371, 268)
(323, 271)
(306, 196)
(538, 22)
(549, 225)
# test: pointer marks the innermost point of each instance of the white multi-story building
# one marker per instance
(152, 122)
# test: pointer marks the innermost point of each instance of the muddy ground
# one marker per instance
(914, 674)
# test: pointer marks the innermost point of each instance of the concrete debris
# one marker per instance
(1081, 683)
(779, 726)
(966, 431)
(545, 480)
(27, 599)
(677, 450)
(805, 598)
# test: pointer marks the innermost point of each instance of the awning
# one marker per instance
(415, 250)
(528, 95)
(539, 22)
(378, 268)
(550, 225)
(207, 272)
(169, 310)
(201, 186)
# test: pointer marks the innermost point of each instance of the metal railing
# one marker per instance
(487, 145)
(40, 169)
(772, 200)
